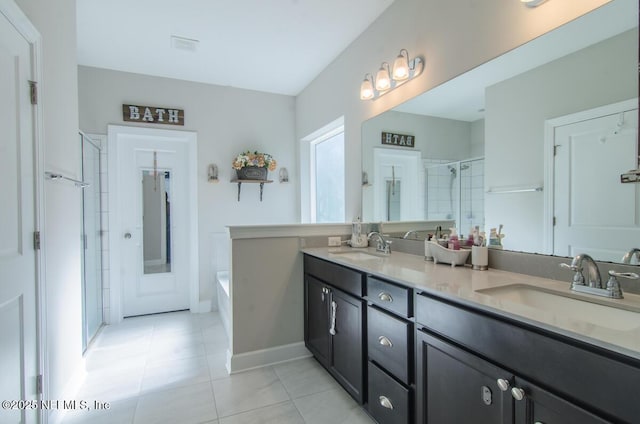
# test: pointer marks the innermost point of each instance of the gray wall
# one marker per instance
(516, 110)
(228, 120)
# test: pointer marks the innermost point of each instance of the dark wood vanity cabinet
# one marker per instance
(334, 322)
(390, 336)
(475, 367)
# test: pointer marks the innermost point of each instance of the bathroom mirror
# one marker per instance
(507, 112)
(156, 221)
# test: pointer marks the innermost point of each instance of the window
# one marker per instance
(327, 191)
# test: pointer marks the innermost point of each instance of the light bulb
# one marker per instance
(401, 66)
(366, 89)
(383, 80)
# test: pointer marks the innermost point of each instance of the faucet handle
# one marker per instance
(578, 278)
(613, 286)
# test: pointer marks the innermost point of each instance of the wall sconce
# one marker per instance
(283, 175)
(387, 78)
(532, 3)
(212, 173)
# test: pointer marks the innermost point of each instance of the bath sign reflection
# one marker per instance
(404, 140)
(153, 114)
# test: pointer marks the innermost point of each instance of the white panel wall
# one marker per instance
(228, 121)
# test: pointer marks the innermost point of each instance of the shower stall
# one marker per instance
(455, 190)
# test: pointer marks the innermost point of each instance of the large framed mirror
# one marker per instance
(544, 131)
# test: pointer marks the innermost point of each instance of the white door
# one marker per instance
(594, 212)
(154, 222)
(18, 357)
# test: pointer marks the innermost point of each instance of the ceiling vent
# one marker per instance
(182, 43)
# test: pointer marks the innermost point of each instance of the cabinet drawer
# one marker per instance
(389, 401)
(390, 296)
(390, 343)
(345, 279)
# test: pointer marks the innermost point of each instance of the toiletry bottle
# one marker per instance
(454, 242)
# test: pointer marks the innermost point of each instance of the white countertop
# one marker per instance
(460, 284)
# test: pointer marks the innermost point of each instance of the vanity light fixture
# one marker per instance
(532, 3)
(387, 78)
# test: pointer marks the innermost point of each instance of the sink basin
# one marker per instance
(563, 304)
(358, 255)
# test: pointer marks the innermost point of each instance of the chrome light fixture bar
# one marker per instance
(387, 78)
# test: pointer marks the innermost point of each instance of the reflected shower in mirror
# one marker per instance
(510, 111)
(156, 221)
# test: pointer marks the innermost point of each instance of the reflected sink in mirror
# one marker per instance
(568, 305)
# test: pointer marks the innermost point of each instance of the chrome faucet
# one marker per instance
(594, 283)
(408, 233)
(382, 245)
(593, 276)
(626, 259)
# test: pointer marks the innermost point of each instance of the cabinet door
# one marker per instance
(348, 362)
(541, 407)
(316, 319)
(454, 386)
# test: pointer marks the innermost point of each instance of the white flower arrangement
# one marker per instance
(260, 160)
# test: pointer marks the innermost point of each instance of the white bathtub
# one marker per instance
(222, 288)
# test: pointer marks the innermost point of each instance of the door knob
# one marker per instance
(127, 235)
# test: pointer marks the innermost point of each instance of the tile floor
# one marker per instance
(169, 368)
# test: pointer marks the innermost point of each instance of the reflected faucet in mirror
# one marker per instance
(628, 257)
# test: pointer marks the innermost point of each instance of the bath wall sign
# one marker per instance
(403, 140)
(153, 114)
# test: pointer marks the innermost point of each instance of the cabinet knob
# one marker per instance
(503, 384)
(384, 341)
(385, 402)
(517, 393)
(385, 297)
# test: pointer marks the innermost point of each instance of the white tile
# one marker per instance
(105, 385)
(163, 375)
(246, 391)
(217, 365)
(304, 377)
(331, 406)
(184, 405)
(282, 413)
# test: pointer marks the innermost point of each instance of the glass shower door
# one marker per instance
(92, 242)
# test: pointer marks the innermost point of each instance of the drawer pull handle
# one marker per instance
(385, 297)
(503, 384)
(385, 402)
(517, 393)
(384, 341)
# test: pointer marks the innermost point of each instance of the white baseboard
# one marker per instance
(264, 357)
(70, 392)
